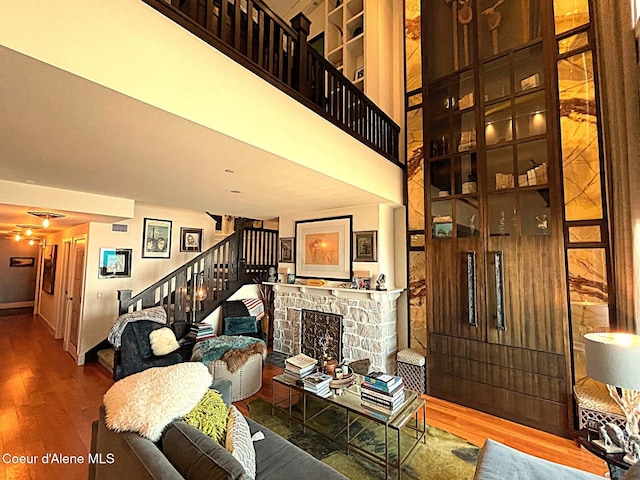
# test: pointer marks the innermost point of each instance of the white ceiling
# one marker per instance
(60, 130)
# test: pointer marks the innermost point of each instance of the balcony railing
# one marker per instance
(251, 34)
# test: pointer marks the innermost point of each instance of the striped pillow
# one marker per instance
(239, 442)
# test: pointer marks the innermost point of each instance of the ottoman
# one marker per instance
(595, 405)
(245, 381)
(413, 370)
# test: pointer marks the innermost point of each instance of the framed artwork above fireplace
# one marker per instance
(323, 248)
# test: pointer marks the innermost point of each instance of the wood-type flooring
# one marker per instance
(47, 405)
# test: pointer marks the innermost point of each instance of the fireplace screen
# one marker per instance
(321, 333)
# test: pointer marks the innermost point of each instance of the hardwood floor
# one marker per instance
(47, 405)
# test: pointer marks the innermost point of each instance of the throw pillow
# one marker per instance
(240, 325)
(148, 401)
(196, 456)
(209, 416)
(163, 341)
(239, 441)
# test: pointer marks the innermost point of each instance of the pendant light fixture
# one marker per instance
(46, 216)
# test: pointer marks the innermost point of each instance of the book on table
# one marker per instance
(300, 363)
(383, 380)
(382, 408)
(366, 390)
(317, 380)
(383, 388)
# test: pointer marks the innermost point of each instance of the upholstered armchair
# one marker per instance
(135, 353)
(243, 317)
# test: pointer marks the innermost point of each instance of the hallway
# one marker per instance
(47, 403)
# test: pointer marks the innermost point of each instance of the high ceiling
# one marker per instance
(63, 131)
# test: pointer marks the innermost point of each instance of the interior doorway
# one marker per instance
(74, 284)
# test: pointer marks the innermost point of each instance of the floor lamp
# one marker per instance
(614, 359)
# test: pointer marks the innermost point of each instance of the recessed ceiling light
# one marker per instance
(228, 170)
(236, 191)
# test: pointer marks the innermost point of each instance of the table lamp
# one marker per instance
(614, 359)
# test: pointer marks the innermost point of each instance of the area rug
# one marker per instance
(443, 457)
(276, 359)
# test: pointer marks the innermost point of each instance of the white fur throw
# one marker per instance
(146, 402)
(163, 341)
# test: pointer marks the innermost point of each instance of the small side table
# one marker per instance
(617, 466)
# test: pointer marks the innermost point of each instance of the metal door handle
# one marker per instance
(498, 272)
(472, 312)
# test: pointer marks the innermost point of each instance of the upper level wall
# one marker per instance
(130, 48)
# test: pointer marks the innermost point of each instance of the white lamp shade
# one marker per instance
(614, 359)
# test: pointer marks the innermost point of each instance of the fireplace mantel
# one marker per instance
(376, 295)
(369, 320)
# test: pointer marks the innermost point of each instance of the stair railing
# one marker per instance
(250, 33)
(194, 290)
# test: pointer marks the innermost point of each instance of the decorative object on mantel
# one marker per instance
(364, 283)
(614, 359)
(323, 248)
(316, 282)
(272, 276)
(381, 283)
(365, 246)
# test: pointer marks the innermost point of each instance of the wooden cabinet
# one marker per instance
(496, 266)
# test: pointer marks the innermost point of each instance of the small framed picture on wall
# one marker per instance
(156, 238)
(286, 250)
(190, 239)
(365, 246)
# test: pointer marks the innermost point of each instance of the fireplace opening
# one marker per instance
(321, 334)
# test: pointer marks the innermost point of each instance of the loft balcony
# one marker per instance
(117, 99)
(250, 33)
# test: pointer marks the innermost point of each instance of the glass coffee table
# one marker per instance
(356, 415)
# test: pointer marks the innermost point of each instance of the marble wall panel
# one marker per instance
(417, 302)
(569, 14)
(415, 169)
(579, 134)
(413, 51)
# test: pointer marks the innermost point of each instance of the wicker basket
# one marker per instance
(246, 381)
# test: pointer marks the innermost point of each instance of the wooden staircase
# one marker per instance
(193, 291)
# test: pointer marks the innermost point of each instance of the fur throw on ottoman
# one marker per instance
(148, 401)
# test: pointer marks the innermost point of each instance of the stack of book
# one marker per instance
(382, 392)
(201, 331)
(299, 366)
(318, 383)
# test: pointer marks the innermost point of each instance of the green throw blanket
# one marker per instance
(214, 348)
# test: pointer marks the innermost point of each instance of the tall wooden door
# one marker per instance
(76, 294)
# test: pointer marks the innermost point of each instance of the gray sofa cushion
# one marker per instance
(633, 473)
(197, 456)
(499, 462)
(276, 458)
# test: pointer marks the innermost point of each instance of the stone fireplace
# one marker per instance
(368, 321)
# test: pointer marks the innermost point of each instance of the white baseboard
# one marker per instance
(16, 305)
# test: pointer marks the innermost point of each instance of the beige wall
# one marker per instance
(100, 305)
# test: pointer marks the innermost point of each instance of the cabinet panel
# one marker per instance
(527, 410)
(451, 289)
(534, 299)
